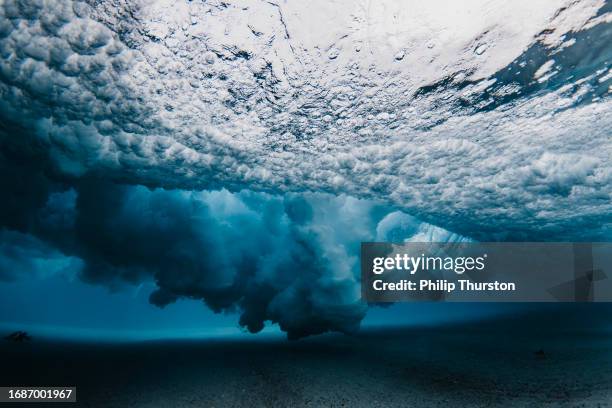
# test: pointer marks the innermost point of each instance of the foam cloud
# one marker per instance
(291, 260)
(250, 253)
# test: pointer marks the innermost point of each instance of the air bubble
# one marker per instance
(209, 58)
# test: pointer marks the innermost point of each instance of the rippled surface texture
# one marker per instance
(489, 118)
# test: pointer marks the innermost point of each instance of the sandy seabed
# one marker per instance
(477, 365)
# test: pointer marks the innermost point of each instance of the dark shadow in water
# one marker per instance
(492, 363)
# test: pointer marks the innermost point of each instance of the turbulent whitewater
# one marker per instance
(490, 119)
(459, 112)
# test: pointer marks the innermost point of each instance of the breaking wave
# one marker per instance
(325, 123)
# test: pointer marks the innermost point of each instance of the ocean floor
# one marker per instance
(478, 365)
